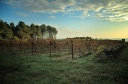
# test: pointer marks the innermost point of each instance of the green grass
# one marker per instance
(39, 69)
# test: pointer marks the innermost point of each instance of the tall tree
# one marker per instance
(2, 26)
(5, 31)
(23, 31)
(43, 30)
(19, 33)
(38, 31)
(54, 32)
(12, 25)
(33, 28)
(24, 28)
(8, 33)
(49, 29)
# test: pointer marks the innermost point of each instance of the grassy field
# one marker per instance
(39, 69)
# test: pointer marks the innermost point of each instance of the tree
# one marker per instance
(19, 33)
(49, 29)
(5, 31)
(54, 32)
(2, 27)
(43, 30)
(12, 25)
(88, 38)
(24, 29)
(33, 28)
(38, 31)
(7, 25)
(8, 33)
(13, 28)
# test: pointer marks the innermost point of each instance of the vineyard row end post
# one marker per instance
(10, 45)
(32, 47)
(20, 45)
(72, 48)
(50, 50)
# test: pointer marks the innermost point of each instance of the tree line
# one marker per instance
(23, 31)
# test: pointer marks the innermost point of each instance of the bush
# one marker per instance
(0, 38)
(100, 56)
(15, 38)
(100, 48)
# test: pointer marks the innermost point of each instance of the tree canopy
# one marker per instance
(23, 31)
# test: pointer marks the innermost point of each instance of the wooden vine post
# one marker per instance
(10, 48)
(50, 50)
(20, 45)
(72, 48)
(32, 47)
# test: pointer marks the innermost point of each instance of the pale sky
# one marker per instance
(72, 18)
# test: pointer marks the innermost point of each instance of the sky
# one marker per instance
(71, 18)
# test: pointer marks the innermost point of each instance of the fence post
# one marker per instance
(50, 50)
(3, 47)
(72, 48)
(32, 47)
(10, 46)
(20, 45)
(79, 51)
(65, 51)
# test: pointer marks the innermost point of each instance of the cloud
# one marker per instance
(112, 10)
(51, 6)
(52, 17)
(21, 14)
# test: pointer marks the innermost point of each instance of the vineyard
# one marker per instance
(73, 48)
(50, 62)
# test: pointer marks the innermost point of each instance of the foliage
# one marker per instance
(0, 38)
(100, 48)
(23, 31)
(16, 38)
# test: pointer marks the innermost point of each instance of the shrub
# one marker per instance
(0, 38)
(100, 48)
(100, 56)
(15, 38)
